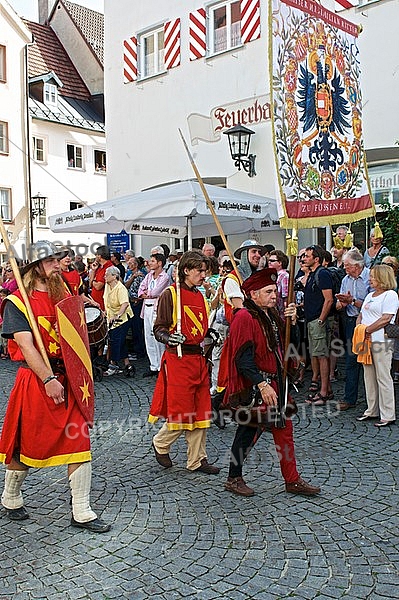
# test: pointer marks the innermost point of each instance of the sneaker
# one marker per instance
(112, 370)
(238, 486)
(132, 356)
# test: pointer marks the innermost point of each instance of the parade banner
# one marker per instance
(317, 116)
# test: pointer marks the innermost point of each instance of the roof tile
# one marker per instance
(48, 54)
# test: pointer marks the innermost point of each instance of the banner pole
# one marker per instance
(31, 316)
(211, 209)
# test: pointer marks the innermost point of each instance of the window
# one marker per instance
(5, 204)
(50, 94)
(75, 205)
(3, 64)
(3, 137)
(225, 26)
(151, 53)
(38, 149)
(100, 161)
(75, 156)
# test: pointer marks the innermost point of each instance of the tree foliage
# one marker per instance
(389, 224)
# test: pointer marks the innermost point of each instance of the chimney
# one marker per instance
(43, 11)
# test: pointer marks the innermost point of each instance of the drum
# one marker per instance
(96, 325)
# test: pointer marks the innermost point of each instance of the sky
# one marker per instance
(28, 8)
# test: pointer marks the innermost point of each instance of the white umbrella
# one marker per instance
(173, 210)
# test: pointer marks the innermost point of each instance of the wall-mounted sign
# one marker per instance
(247, 112)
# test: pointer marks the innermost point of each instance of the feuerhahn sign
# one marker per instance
(248, 112)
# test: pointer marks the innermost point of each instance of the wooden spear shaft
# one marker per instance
(211, 209)
(31, 316)
(178, 311)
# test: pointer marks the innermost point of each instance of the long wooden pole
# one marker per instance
(211, 209)
(17, 274)
(292, 252)
(178, 311)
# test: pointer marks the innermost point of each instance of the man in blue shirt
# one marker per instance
(318, 302)
(354, 288)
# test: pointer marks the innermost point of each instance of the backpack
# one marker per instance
(337, 276)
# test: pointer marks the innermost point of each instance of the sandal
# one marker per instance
(314, 386)
(319, 400)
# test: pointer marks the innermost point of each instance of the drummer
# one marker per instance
(72, 278)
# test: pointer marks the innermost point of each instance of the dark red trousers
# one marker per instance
(245, 439)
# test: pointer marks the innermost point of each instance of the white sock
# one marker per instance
(80, 483)
(11, 497)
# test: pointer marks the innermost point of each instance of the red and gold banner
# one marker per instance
(74, 341)
(317, 116)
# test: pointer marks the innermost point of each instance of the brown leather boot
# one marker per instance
(302, 487)
(238, 486)
(207, 468)
(162, 459)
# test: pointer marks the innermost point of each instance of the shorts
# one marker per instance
(319, 338)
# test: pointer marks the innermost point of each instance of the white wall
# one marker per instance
(379, 51)
(14, 36)
(84, 60)
(62, 185)
(143, 117)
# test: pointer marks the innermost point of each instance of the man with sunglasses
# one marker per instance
(9, 281)
(318, 302)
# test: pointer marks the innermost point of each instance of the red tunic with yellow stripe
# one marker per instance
(181, 393)
(41, 432)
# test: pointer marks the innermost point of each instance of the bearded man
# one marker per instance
(256, 363)
(43, 425)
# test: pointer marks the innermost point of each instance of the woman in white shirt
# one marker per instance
(379, 308)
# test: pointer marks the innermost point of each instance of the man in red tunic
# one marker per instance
(43, 425)
(256, 357)
(181, 393)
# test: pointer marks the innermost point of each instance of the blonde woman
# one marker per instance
(378, 309)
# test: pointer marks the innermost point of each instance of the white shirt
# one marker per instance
(375, 306)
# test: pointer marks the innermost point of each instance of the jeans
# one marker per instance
(352, 367)
(117, 342)
(137, 325)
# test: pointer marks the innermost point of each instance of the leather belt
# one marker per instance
(186, 349)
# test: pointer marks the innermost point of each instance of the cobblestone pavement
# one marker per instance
(177, 534)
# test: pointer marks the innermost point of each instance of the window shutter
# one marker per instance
(250, 20)
(172, 44)
(130, 60)
(197, 34)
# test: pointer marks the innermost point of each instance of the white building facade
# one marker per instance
(177, 64)
(14, 196)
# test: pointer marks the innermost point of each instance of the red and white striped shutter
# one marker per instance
(250, 20)
(345, 4)
(172, 44)
(197, 34)
(130, 60)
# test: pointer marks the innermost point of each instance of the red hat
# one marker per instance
(259, 280)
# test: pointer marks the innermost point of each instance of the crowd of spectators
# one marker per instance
(334, 293)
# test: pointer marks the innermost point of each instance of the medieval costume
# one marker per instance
(181, 393)
(256, 355)
(45, 424)
(39, 431)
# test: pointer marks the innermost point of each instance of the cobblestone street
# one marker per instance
(177, 534)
